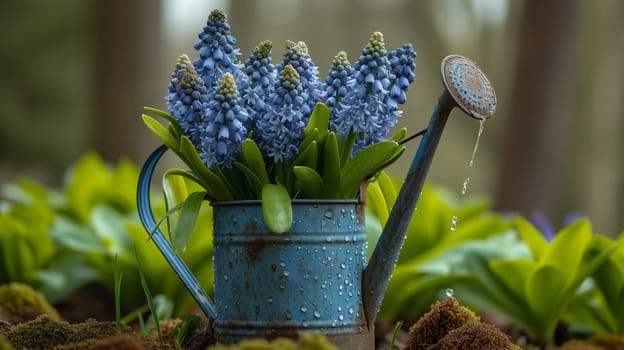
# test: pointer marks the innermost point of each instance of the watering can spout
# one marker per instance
(466, 87)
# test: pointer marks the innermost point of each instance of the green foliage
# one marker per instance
(60, 240)
(536, 291)
(322, 169)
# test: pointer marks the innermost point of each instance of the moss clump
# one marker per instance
(41, 333)
(167, 330)
(307, 341)
(92, 329)
(579, 345)
(475, 335)
(121, 341)
(609, 342)
(443, 317)
(20, 303)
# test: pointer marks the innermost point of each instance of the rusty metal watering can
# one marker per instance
(314, 278)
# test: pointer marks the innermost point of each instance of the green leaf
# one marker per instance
(311, 181)
(186, 222)
(276, 208)
(209, 180)
(544, 290)
(319, 120)
(252, 158)
(175, 192)
(376, 199)
(184, 331)
(166, 116)
(567, 248)
(387, 188)
(331, 174)
(513, 273)
(399, 135)
(308, 157)
(365, 164)
(162, 133)
(532, 237)
(252, 178)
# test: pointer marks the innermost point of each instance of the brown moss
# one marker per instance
(93, 329)
(167, 329)
(20, 303)
(40, 333)
(475, 335)
(580, 345)
(443, 317)
(121, 341)
(307, 341)
(608, 342)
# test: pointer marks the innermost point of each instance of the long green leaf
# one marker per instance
(544, 290)
(252, 158)
(252, 178)
(186, 222)
(209, 180)
(162, 133)
(276, 208)
(319, 120)
(375, 197)
(311, 182)
(331, 173)
(166, 116)
(364, 164)
(308, 157)
(175, 191)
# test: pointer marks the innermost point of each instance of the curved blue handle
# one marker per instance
(148, 221)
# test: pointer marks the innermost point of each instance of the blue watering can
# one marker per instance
(314, 278)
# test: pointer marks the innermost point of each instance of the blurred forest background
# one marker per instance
(75, 74)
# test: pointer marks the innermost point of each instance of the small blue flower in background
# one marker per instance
(262, 76)
(403, 66)
(187, 97)
(217, 56)
(224, 131)
(364, 110)
(279, 131)
(334, 89)
(297, 56)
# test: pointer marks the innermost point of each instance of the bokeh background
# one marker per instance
(75, 74)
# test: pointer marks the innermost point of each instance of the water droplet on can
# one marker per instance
(317, 314)
(304, 309)
(449, 292)
(329, 214)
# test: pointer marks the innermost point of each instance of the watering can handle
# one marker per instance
(148, 221)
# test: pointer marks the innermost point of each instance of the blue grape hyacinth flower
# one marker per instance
(365, 111)
(262, 76)
(297, 56)
(187, 97)
(279, 132)
(334, 89)
(217, 55)
(224, 131)
(402, 61)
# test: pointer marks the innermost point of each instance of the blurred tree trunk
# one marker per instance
(536, 133)
(127, 60)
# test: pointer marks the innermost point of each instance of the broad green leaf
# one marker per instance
(186, 222)
(175, 192)
(110, 227)
(532, 237)
(567, 248)
(376, 199)
(162, 133)
(252, 178)
(331, 173)
(311, 182)
(184, 331)
(364, 164)
(209, 180)
(319, 120)
(543, 290)
(386, 185)
(252, 158)
(513, 273)
(308, 157)
(276, 208)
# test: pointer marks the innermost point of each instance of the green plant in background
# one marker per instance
(432, 257)
(536, 292)
(61, 240)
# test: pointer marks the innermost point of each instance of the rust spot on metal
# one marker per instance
(361, 211)
(247, 285)
(255, 248)
(257, 309)
(230, 264)
(273, 267)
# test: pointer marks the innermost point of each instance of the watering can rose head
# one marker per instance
(254, 130)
